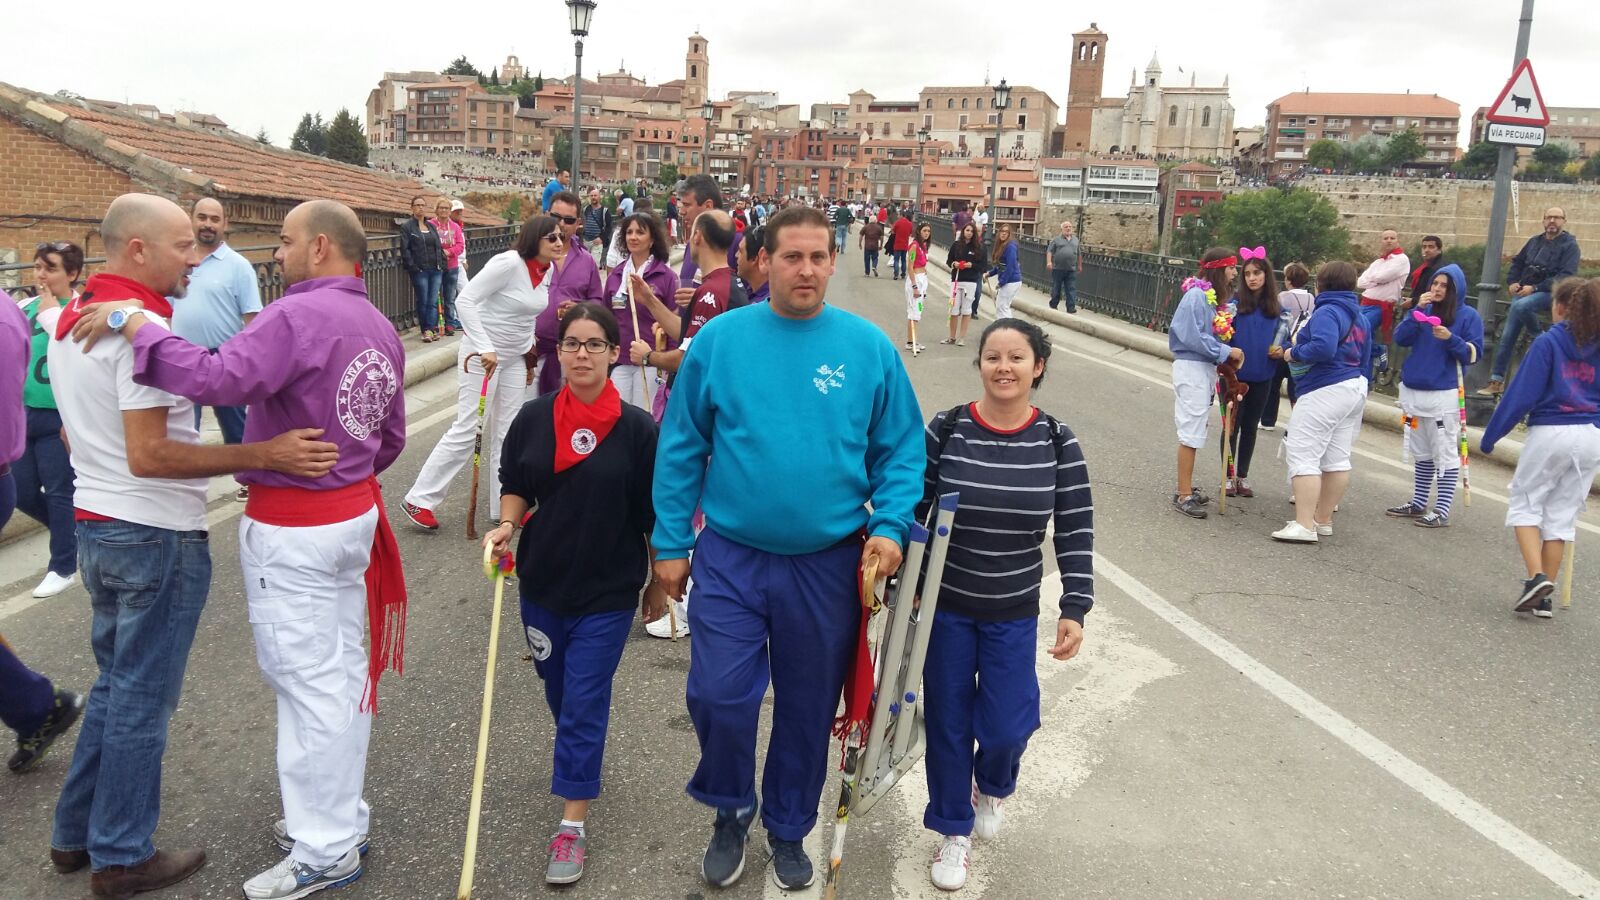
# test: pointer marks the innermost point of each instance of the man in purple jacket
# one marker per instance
(574, 278)
(318, 556)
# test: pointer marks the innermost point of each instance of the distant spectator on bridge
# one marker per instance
(222, 299)
(422, 253)
(597, 222)
(1545, 259)
(900, 241)
(1063, 256)
(556, 185)
(453, 239)
(624, 205)
(1380, 286)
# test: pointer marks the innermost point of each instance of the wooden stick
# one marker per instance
(633, 309)
(470, 854)
(1566, 575)
(1222, 499)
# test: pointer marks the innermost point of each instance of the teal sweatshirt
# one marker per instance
(782, 430)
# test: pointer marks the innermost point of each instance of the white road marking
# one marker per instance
(1566, 874)
(228, 510)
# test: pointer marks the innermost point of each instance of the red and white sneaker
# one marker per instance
(422, 517)
(989, 815)
(949, 869)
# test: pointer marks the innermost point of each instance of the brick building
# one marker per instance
(66, 160)
(1296, 121)
(452, 115)
(1186, 188)
(964, 116)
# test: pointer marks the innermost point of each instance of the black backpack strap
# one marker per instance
(947, 427)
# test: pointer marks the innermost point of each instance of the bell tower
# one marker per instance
(696, 75)
(1087, 75)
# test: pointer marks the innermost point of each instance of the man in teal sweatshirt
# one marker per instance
(787, 419)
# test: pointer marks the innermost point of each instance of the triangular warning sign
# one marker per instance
(1520, 102)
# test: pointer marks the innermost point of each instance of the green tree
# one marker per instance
(668, 174)
(1293, 225)
(538, 82)
(562, 151)
(346, 142)
(460, 66)
(1365, 153)
(1591, 168)
(514, 210)
(1402, 148)
(1195, 232)
(1325, 154)
(1554, 154)
(262, 136)
(494, 76)
(1480, 161)
(310, 136)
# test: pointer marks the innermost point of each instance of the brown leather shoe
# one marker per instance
(68, 861)
(166, 867)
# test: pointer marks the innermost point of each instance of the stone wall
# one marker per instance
(1456, 210)
(1123, 226)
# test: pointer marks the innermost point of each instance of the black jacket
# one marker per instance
(1422, 276)
(419, 250)
(1542, 263)
(962, 252)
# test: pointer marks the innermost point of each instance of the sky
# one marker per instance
(264, 66)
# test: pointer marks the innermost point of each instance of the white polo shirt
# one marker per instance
(92, 390)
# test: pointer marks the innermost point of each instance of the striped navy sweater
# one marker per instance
(1011, 485)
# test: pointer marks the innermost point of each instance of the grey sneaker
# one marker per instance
(291, 880)
(280, 836)
(1534, 590)
(1408, 511)
(1545, 610)
(1190, 506)
(724, 859)
(567, 850)
(1433, 520)
(791, 867)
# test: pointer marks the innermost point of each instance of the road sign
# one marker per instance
(1515, 135)
(1520, 102)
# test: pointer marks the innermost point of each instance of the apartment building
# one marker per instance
(1296, 121)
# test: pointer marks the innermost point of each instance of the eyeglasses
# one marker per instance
(567, 220)
(595, 346)
(553, 237)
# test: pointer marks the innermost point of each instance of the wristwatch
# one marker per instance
(119, 317)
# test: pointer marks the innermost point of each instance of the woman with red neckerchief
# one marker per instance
(584, 460)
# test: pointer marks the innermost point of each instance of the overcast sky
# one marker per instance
(263, 66)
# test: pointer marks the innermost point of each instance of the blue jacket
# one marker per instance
(1555, 385)
(1554, 261)
(1009, 268)
(1334, 342)
(1432, 363)
(1253, 334)
(1191, 336)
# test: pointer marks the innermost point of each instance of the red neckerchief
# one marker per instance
(1392, 252)
(536, 271)
(104, 288)
(580, 427)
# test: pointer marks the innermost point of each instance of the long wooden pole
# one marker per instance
(470, 853)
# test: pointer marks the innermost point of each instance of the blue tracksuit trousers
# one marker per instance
(760, 617)
(576, 657)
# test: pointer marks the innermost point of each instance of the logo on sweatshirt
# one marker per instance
(366, 389)
(827, 378)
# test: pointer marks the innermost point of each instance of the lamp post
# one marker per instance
(922, 139)
(579, 12)
(1002, 102)
(708, 111)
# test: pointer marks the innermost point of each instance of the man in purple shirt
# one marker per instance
(318, 557)
(574, 278)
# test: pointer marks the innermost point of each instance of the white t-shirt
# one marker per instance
(92, 390)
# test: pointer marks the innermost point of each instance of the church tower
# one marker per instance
(1152, 107)
(696, 75)
(1085, 81)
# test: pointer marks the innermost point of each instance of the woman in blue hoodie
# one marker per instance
(1008, 268)
(1428, 390)
(1327, 414)
(1556, 389)
(1255, 325)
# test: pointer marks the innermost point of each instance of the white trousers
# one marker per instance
(1323, 428)
(962, 296)
(1551, 485)
(1003, 297)
(916, 293)
(307, 597)
(508, 389)
(629, 379)
(1437, 434)
(1193, 383)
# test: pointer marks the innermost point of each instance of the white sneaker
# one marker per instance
(990, 815)
(291, 880)
(662, 627)
(54, 584)
(1295, 533)
(1324, 528)
(949, 870)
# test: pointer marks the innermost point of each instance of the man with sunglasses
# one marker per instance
(1545, 259)
(575, 278)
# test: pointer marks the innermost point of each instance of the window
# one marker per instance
(930, 103)
(1310, 121)
(927, 121)
(694, 71)
(1083, 50)
(1172, 115)
(963, 123)
(1022, 121)
(1205, 118)
(980, 103)
(886, 128)
(991, 119)
(858, 107)
(950, 103)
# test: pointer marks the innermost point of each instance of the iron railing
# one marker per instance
(388, 284)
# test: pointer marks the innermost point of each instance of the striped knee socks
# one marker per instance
(1447, 491)
(1423, 483)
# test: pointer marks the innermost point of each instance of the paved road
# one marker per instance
(1360, 718)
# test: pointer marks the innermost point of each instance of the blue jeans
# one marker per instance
(1524, 314)
(230, 421)
(1373, 317)
(869, 261)
(1064, 284)
(841, 233)
(576, 660)
(447, 293)
(147, 587)
(897, 260)
(44, 487)
(979, 689)
(425, 284)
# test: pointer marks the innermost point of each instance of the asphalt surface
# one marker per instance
(1361, 718)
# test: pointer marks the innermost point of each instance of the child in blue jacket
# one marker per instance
(1556, 389)
(1430, 384)
(1256, 314)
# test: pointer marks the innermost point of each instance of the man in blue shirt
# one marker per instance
(787, 419)
(223, 297)
(556, 186)
(624, 205)
(1548, 257)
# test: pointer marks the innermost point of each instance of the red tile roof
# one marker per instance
(1304, 103)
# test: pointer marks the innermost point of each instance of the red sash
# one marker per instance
(580, 427)
(104, 288)
(293, 507)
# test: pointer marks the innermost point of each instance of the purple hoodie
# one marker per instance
(14, 336)
(320, 357)
(1554, 385)
(662, 281)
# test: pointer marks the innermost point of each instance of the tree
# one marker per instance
(562, 151)
(1550, 162)
(346, 143)
(310, 136)
(1591, 169)
(538, 82)
(461, 67)
(1294, 224)
(1402, 148)
(494, 76)
(262, 136)
(1325, 154)
(514, 210)
(668, 174)
(1194, 233)
(1480, 161)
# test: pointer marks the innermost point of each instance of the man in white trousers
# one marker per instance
(318, 557)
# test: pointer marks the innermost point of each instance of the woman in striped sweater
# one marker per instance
(1018, 471)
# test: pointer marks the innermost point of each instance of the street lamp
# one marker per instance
(1002, 102)
(579, 12)
(922, 138)
(708, 111)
